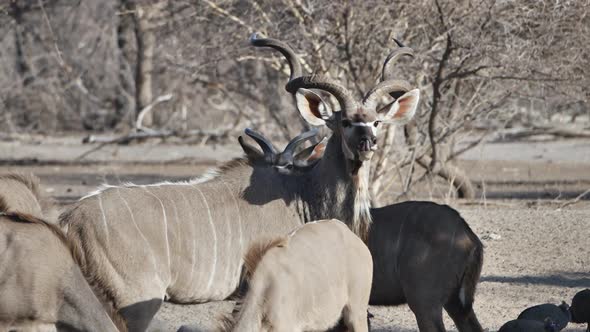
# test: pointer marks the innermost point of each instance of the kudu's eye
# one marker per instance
(346, 123)
(376, 123)
(290, 166)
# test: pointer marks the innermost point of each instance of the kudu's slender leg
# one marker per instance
(424, 291)
(464, 318)
(467, 322)
(353, 320)
(429, 317)
(357, 323)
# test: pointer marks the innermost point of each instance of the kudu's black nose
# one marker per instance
(366, 142)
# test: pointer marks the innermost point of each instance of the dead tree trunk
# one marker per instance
(22, 66)
(125, 103)
(146, 43)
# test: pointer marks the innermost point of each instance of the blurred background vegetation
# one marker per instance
(487, 69)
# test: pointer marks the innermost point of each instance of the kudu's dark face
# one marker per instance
(359, 134)
(358, 129)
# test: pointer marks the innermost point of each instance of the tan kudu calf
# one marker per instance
(41, 285)
(306, 281)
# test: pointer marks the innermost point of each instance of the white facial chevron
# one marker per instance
(366, 124)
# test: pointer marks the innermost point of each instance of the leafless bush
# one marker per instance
(482, 65)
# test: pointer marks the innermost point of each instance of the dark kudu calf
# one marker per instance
(424, 254)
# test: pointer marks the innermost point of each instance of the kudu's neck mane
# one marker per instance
(234, 165)
(352, 177)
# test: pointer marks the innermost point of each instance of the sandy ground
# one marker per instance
(542, 253)
(519, 170)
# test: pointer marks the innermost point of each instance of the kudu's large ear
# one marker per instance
(252, 153)
(402, 110)
(312, 153)
(312, 107)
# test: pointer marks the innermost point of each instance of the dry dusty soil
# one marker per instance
(535, 252)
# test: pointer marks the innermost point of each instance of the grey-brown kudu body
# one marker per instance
(41, 286)
(185, 241)
(424, 254)
(307, 281)
(22, 192)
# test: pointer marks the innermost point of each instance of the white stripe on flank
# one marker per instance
(177, 239)
(104, 218)
(240, 241)
(165, 228)
(214, 262)
(225, 282)
(147, 244)
(194, 237)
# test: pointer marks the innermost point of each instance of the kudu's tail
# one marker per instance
(464, 316)
(257, 251)
(247, 315)
(472, 273)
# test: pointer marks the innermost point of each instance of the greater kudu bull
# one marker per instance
(306, 281)
(424, 254)
(185, 241)
(41, 286)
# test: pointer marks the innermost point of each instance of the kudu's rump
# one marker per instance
(427, 256)
(306, 281)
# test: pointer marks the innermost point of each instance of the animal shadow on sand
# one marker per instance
(562, 279)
